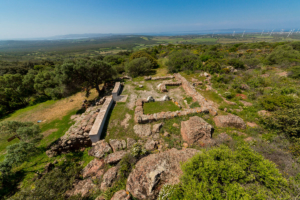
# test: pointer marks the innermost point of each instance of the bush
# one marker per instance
(237, 64)
(274, 102)
(221, 173)
(138, 66)
(140, 54)
(285, 120)
(283, 54)
(228, 95)
(295, 72)
(183, 61)
(137, 150)
(211, 67)
(114, 59)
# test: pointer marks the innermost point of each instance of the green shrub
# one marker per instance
(138, 66)
(285, 120)
(274, 102)
(236, 63)
(212, 67)
(137, 150)
(114, 59)
(195, 105)
(295, 72)
(141, 54)
(283, 53)
(183, 61)
(221, 173)
(228, 95)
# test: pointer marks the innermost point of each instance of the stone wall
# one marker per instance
(163, 86)
(190, 90)
(116, 90)
(147, 78)
(97, 128)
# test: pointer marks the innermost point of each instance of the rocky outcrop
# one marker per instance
(156, 127)
(94, 168)
(100, 149)
(264, 113)
(151, 145)
(109, 177)
(196, 130)
(77, 136)
(115, 157)
(83, 187)
(161, 168)
(117, 145)
(143, 130)
(121, 195)
(130, 142)
(229, 120)
(245, 103)
(223, 137)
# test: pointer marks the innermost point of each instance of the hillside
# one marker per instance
(185, 120)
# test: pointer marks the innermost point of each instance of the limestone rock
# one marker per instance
(117, 145)
(264, 113)
(185, 145)
(121, 195)
(245, 103)
(130, 142)
(163, 168)
(150, 145)
(196, 129)
(194, 80)
(156, 127)
(150, 99)
(229, 120)
(115, 157)
(142, 130)
(100, 149)
(109, 177)
(245, 87)
(94, 168)
(83, 187)
(252, 124)
(166, 134)
(224, 137)
(249, 139)
(166, 98)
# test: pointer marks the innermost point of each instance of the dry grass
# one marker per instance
(51, 110)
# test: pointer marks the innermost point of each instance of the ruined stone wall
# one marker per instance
(190, 90)
(141, 118)
(147, 78)
(97, 128)
(116, 90)
(163, 87)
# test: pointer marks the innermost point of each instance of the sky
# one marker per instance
(45, 18)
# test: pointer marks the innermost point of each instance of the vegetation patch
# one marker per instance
(159, 106)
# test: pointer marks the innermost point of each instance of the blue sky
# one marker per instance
(43, 18)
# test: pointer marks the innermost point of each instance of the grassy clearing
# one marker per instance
(211, 95)
(120, 123)
(159, 106)
(50, 110)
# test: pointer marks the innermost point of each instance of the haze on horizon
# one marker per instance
(34, 19)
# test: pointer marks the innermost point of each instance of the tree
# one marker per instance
(282, 54)
(86, 73)
(183, 61)
(138, 66)
(140, 54)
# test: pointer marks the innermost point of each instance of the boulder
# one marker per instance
(166, 98)
(109, 177)
(229, 120)
(117, 145)
(115, 157)
(249, 139)
(121, 195)
(156, 127)
(83, 187)
(224, 137)
(88, 128)
(94, 168)
(150, 145)
(100, 149)
(161, 168)
(245, 87)
(130, 142)
(245, 103)
(142, 130)
(252, 125)
(196, 129)
(263, 113)
(194, 80)
(166, 134)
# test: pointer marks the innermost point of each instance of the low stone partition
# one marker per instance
(116, 90)
(141, 118)
(97, 128)
(163, 86)
(190, 90)
(147, 78)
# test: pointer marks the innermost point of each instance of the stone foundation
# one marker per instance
(116, 90)
(147, 78)
(163, 87)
